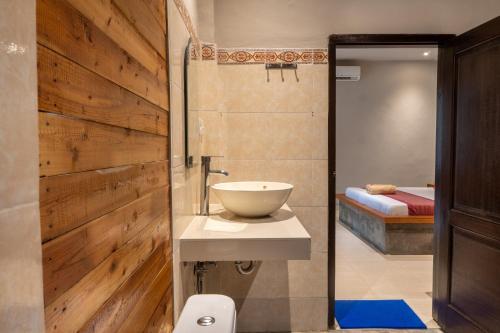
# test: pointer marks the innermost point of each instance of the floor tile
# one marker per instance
(364, 273)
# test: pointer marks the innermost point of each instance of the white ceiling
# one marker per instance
(388, 54)
(307, 23)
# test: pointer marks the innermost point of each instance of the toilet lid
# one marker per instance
(207, 313)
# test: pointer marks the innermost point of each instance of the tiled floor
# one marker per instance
(364, 273)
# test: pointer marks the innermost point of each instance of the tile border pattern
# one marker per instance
(186, 18)
(208, 52)
(227, 56)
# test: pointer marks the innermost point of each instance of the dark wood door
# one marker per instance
(467, 261)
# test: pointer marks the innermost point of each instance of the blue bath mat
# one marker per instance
(376, 314)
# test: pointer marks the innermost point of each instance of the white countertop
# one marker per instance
(223, 236)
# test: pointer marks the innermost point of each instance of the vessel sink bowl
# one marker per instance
(252, 199)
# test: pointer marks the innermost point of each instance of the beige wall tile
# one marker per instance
(177, 39)
(296, 172)
(245, 89)
(269, 280)
(276, 136)
(320, 183)
(309, 314)
(21, 288)
(213, 133)
(315, 220)
(291, 136)
(282, 314)
(183, 198)
(203, 85)
(308, 278)
(319, 146)
(320, 85)
(272, 279)
(21, 303)
(185, 287)
(18, 105)
(248, 136)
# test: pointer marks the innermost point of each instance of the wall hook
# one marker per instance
(281, 67)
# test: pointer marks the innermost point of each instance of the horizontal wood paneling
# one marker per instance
(76, 306)
(142, 17)
(157, 7)
(72, 145)
(68, 201)
(115, 311)
(162, 319)
(68, 258)
(146, 305)
(105, 15)
(67, 88)
(105, 178)
(63, 29)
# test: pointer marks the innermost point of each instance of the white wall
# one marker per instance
(386, 125)
(21, 289)
(307, 23)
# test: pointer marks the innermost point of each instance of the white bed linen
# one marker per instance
(385, 204)
(378, 202)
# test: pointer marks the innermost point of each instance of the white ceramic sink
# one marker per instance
(252, 199)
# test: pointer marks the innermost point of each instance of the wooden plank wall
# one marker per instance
(104, 185)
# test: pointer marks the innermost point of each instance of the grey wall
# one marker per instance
(307, 23)
(21, 289)
(386, 125)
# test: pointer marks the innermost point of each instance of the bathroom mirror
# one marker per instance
(191, 121)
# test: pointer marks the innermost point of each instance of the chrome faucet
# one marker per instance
(205, 190)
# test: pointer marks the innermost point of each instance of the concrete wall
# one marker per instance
(386, 125)
(307, 23)
(21, 290)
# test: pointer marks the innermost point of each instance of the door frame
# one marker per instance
(366, 40)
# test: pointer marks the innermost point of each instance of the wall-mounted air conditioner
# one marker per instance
(348, 73)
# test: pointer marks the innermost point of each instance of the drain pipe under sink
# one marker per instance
(244, 270)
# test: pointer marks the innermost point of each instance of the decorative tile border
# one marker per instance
(186, 18)
(208, 52)
(263, 56)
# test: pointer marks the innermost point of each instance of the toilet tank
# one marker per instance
(207, 313)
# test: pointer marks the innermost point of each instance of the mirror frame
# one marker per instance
(189, 163)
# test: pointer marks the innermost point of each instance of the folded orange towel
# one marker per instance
(380, 189)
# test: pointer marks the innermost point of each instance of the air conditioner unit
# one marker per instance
(348, 73)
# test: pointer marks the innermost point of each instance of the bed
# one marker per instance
(394, 224)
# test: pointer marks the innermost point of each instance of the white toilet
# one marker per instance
(207, 313)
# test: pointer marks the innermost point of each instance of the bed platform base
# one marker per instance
(389, 234)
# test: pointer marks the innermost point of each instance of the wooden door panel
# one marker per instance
(467, 291)
(474, 290)
(477, 157)
(479, 225)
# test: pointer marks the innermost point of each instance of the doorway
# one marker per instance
(479, 48)
(385, 125)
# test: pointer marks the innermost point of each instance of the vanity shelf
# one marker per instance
(222, 236)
